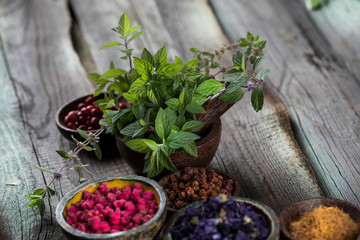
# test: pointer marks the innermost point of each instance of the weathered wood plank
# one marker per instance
(259, 149)
(322, 98)
(45, 72)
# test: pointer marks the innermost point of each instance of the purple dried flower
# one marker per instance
(57, 176)
(250, 86)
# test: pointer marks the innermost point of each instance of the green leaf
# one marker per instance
(178, 60)
(209, 87)
(173, 103)
(231, 72)
(240, 80)
(138, 34)
(183, 98)
(257, 98)
(191, 65)
(74, 139)
(181, 139)
(238, 58)
(243, 63)
(51, 191)
(147, 164)
(41, 206)
(194, 108)
(113, 73)
(130, 129)
(257, 62)
(192, 126)
(140, 132)
(33, 202)
(142, 66)
(127, 50)
(134, 29)
(160, 57)
(166, 161)
(261, 44)
(194, 50)
(263, 73)
(232, 97)
(89, 149)
(124, 25)
(112, 66)
(133, 98)
(33, 196)
(82, 133)
(96, 78)
(99, 89)
(110, 103)
(140, 145)
(111, 44)
(38, 191)
(169, 69)
(44, 170)
(250, 37)
(191, 149)
(164, 121)
(98, 153)
(147, 56)
(62, 154)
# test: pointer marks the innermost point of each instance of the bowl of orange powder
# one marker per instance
(320, 219)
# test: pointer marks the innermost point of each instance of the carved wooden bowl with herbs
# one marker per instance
(322, 218)
(195, 184)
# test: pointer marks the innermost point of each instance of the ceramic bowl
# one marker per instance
(146, 231)
(206, 148)
(236, 192)
(293, 212)
(270, 216)
(72, 105)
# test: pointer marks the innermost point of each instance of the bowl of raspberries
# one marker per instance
(128, 207)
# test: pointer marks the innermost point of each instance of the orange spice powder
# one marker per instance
(325, 223)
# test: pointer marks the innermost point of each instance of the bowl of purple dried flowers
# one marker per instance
(223, 218)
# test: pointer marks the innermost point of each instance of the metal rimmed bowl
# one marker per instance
(293, 212)
(146, 231)
(271, 219)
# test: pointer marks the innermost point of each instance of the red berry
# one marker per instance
(96, 112)
(80, 106)
(90, 107)
(82, 127)
(89, 128)
(81, 119)
(66, 119)
(71, 125)
(112, 107)
(90, 100)
(94, 121)
(72, 116)
(122, 105)
(85, 111)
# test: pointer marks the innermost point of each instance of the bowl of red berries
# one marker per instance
(127, 207)
(83, 114)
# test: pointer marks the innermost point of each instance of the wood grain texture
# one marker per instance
(41, 72)
(321, 95)
(258, 148)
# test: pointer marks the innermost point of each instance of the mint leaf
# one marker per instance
(173, 103)
(231, 72)
(39, 191)
(142, 65)
(232, 97)
(240, 80)
(113, 73)
(160, 57)
(97, 150)
(141, 145)
(191, 149)
(147, 56)
(191, 126)
(257, 62)
(138, 34)
(263, 73)
(195, 108)
(44, 170)
(238, 58)
(209, 87)
(130, 129)
(111, 44)
(257, 98)
(51, 191)
(181, 139)
(178, 60)
(82, 133)
(191, 65)
(124, 25)
(41, 206)
(166, 161)
(164, 121)
(62, 154)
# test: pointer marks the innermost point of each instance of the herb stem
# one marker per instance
(227, 68)
(126, 46)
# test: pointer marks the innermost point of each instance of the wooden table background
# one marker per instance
(303, 144)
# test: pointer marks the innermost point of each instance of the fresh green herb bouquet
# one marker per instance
(167, 96)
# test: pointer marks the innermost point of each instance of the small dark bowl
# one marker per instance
(293, 212)
(269, 214)
(145, 231)
(236, 192)
(105, 139)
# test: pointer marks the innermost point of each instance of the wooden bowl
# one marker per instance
(293, 212)
(260, 208)
(146, 231)
(206, 148)
(236, 192)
